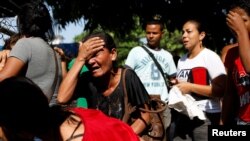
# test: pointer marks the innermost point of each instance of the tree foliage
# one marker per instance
(118, 15)
(170, 40)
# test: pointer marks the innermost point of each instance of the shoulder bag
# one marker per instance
(155, 130)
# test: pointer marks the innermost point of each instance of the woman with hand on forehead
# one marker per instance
(102, 85)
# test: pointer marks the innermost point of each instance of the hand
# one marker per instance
(235, 22)
(4, 54)
(89, 48)
(173, 81)
(185, 87)
(141, 139)
(61, 53)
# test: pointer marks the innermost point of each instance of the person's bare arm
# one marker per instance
(64, 60)
(219, 85)
(4, 54)
(216, 89)
(69, 82)
(139, 124)
(12, 67)
(188, 88)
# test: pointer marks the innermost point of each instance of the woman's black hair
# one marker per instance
(34, 20)
(25, 111)
(22, 105)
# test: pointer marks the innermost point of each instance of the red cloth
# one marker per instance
(199, 75)
(99, 127)
(239, 77)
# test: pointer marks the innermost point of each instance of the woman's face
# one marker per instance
(191, 37)
(102, 62)
(72, 124)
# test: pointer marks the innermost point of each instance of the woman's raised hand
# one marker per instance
(89, 48)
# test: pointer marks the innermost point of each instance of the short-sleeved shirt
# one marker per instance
(212, 63)
(141, 62)
(40, 62)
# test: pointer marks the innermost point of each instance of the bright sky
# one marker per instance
(68, 33)
(71, 31)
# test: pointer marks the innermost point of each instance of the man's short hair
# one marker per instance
(155, 19)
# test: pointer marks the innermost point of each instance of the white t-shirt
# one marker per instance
(212, 62)
(140, 61)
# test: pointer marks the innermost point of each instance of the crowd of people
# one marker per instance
(38, 90)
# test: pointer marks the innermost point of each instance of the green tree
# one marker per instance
(118, 15)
